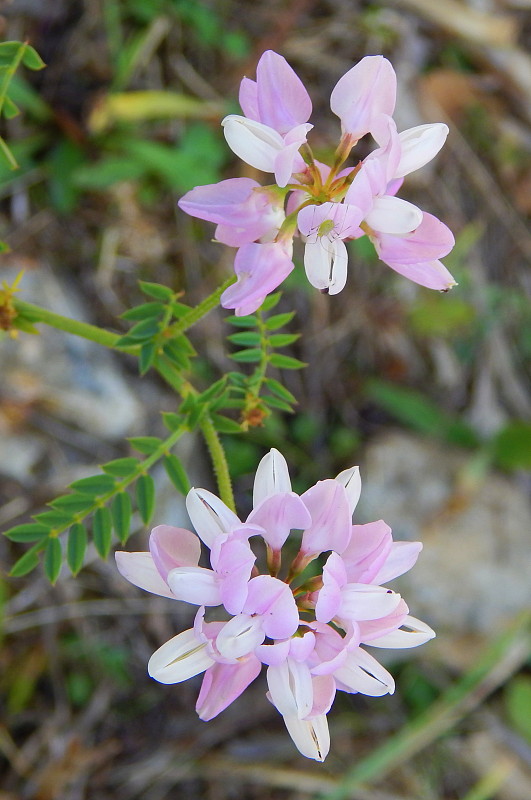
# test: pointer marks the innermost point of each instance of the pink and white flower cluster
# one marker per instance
(324, 204)
(307, 629)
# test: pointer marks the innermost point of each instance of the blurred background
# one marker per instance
(429, 393)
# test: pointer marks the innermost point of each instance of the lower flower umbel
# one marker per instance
(310, 631)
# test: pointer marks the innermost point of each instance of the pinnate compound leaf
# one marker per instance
(177, 473)
(76, 547)
(102, 530)
(72, 503)
(145, 497)
(271, 301)
(31, 58)
(28, 532)
(276, 402)
(53, 559)
(147, 356)
(94, 485)
(121, 515)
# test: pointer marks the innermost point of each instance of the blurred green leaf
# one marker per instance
(432, 315)
(145, 497)
(53, 559)
(176, 473)
(76, 547)
(512, 446)
(121, 515)
(247, 338)
(95, 485)
(102, 530)
(145, 444)
(121, 467)
(518, 704)
(27, 562)
(28, 532)
(247, 356)
(286, 362)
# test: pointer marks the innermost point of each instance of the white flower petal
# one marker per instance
(419, 145)
(351, 480)
(253, 142)
(179, 659)
(195, 585)
(209, 515)
(291, 688)
(240, 636)
(393, 215)
(325, 262)
(272, 477)
(412, 633)
(360, 601)
(363, 673)
(310, 736)
(140, 570)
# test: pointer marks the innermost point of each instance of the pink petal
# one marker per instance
(260, 268)
(432, 239)
(240, 636)
(283, 101)
(369, 546)
(223, 683)
(376, 628)
(273, 654)
(173, 547)
(248, 99)
(140, 570)
(253, 142)
(278, 515)
(364, 93)
(273, 600)
(324, 692)
(222, 203)
(419, 145)
(431, 274)
(329, 596)
(328, 505)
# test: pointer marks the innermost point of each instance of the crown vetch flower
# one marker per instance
(309, 630)
(325, 205)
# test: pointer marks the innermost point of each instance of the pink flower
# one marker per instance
(307, 629)
(365, 93)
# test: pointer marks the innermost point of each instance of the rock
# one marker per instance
(473, 573)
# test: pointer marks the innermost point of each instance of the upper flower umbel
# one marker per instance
(326, 205)
(308, 629)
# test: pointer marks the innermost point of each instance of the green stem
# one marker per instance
(219, 461)
(33, 313)
(200, 311)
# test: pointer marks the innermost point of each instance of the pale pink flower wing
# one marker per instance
(329, 596)
(255, 143)
(222, 203)
(430, 240)
(224, 683)
(195, 585)
(209, 515)
(282, 99)
(393, 215)
(140, 570)
(173, 547)
(402, 556)
(419, 145)
(363, 94)
(431, 274)
(260, 268)
(362, 601)
(351, 480)
(377, 628)
(248, 99)
(328, 505)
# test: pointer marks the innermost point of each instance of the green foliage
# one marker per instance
(512, 446)
(518, 704)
